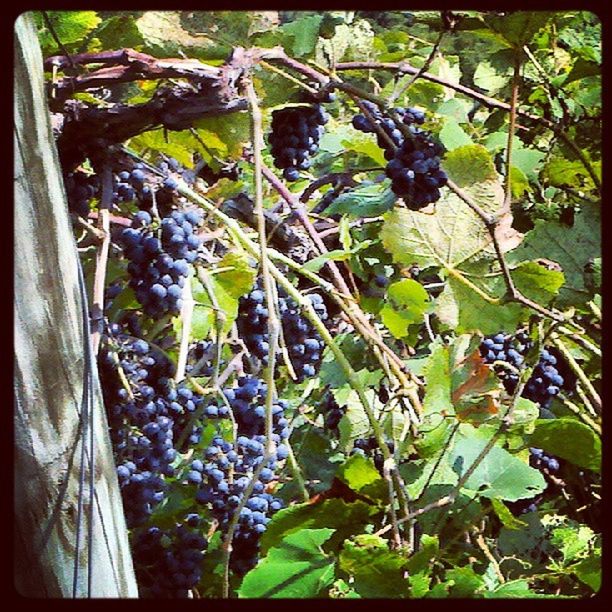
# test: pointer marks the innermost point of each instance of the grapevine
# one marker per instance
(342, 352)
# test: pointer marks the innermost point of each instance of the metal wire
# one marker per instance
(85, 428)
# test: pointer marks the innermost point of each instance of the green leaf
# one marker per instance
(421, 560)
(466, 582)
(119, 32)
(518, 182)
(316, 457)
(453, 136)
(315, 264)
(589, 571)
(470, 164)
(455, 108)
(164, 36)
(376, 571)
(488, 78)
(360, 474)
(537, 282)
(365, 144)
(455, 239)
(570, 440)
(419, 584)
(571, 248)
(582, 68)
(562, 172)
(342, 590)
(342, 517)
(304, 31)
(406, 303)
(236, 275)
(230, 132)
(574, 541)
(180, 145)
(355, 423)
(526, 160)
(364, 201)
(70, 27)
(509, 521)
(296, 568)
(519, 27)
(513, 588)
(500, 474)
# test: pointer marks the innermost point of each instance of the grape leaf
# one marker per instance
(519, 27)
(500, 474)
(571, 248)
(405, 304)
(164, 36)
(453, 136)
(120, 31)
(376, 571)
(455, 239)
(70, 27)
(297, 567)
(304, 33)
(570, 440)
(342, 517)
(589, 570)
(364, 201)
(488, 78)
(230, 136)
(470, 164)
(508, 520)
(359, 473)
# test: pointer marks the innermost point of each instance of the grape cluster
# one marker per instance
(168, 561)
(227, 470)
(368, 447)
(295, 137)
(545, 381)
(140, 428)
(332, 411)
(160, 258)
(547, 465)
(538, 459)
(413, 163)
(81, 188)
(304, 343)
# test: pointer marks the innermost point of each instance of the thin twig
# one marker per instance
(273, 330)
(584, 379)
(511, 129)
(220, 319)
(97, 309)
(399, 91)
(186, 316)
(480, 541)
(581, 415)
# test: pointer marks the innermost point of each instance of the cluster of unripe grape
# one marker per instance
(413, 162)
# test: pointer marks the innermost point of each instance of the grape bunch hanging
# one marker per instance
(160, 257)
(304, 343)
(295, 137)
(413, 163)
(546, 380)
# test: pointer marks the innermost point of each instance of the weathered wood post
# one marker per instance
(49, 373)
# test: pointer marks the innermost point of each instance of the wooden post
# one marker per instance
(49, 372)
